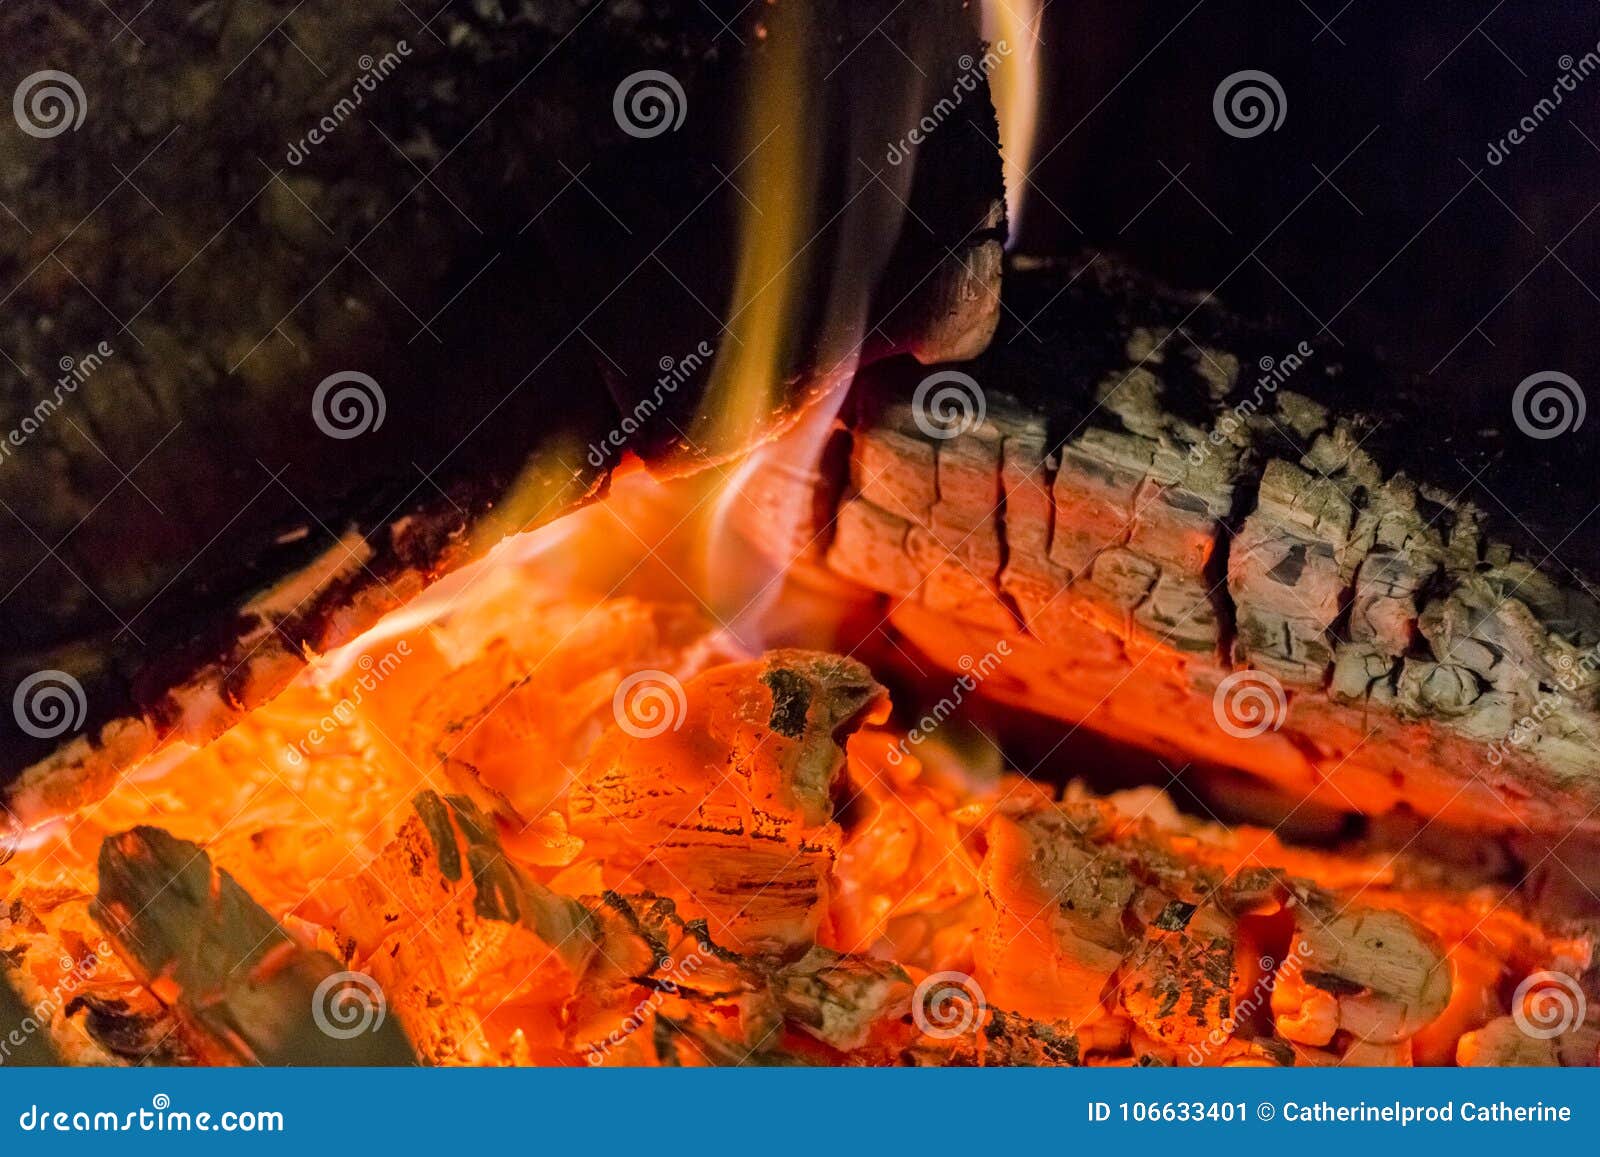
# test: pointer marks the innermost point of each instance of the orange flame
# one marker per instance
(1014, 86)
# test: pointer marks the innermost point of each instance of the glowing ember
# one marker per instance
(560, 830)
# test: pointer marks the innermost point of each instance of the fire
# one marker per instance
(1015, 86)
(568, 808)
(628, 787)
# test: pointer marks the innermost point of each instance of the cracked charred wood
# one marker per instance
(246, 991)
(484, 216)
(1227, 544)
(1206, 961)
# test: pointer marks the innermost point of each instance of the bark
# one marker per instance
(244, 988)
(482, 238)
(1171, 532)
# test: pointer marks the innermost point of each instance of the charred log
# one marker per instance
(1194, 538)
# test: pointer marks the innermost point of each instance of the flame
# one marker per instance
(1014, 86)
(617, 744)
(505, 688)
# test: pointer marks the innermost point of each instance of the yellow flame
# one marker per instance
(690, 538)
(776, 177)
(1014, 86)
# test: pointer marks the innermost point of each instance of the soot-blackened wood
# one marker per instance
(474, 228)
(1161, 497)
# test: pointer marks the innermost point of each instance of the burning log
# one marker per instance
(1228, 571)
(1097, 917)
(475, 208)
(610, 978)
(723, 799)
(246, 990)
(486, 927)
(769, 878)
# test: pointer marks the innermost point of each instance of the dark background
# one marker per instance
(1372, 212)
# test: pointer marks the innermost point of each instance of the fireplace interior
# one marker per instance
(849, 643)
